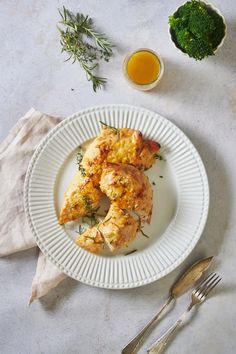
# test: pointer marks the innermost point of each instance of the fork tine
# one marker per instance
(210, 282)
(212, 286)
(205, 281)
(207, 284)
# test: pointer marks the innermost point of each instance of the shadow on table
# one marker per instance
(59, 295)
(178, 78)
(226, 54)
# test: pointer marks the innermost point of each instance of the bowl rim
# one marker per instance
(143, 87)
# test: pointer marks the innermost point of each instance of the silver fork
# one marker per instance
(198, 296)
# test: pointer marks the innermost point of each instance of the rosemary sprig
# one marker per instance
(115, 130)
(84, 44)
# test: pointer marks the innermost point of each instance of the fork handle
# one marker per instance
(160, 345)
(137, 341)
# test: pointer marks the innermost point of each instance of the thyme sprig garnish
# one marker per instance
(90, 220)
(84, 44)
(93, 217)
(88, 203)
(79, 158)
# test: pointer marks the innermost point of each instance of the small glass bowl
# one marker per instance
(143, 87)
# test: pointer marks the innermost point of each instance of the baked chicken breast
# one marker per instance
(115, 231)
(81, 198)
(123, 145)
(128, 188)
(112, 145)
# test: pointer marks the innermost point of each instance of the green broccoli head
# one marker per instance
(200, 23)
(199, 49)
(194, 47)
(194, 27)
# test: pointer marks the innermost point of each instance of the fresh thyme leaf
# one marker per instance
(93, 219)
(79, 158)
(158, 157)
(88, 203)
(128, 253)
(153, 183)
(84, 44)
(143, 233)
(79, 155)
(161, 176)
(82, 171)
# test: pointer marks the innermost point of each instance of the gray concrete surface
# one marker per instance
(200, 97)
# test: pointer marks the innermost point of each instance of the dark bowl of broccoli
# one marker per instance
(198, 29)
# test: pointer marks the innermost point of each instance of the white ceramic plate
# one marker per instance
(181, 200)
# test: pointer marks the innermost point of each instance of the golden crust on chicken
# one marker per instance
(91, 240)
(119, 228)
(147, 156)
(112, 145)
(96, 154)
(124, 145)
(80, 199)
(128, 188)
(116, 230)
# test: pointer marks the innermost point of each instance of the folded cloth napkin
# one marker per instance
(15, 153)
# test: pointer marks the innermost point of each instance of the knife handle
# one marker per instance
(133, 346)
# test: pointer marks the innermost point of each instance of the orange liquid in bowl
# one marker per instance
(143, 67)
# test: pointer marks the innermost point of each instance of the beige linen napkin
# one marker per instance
(15, 153)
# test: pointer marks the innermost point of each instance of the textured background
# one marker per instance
(199, 97)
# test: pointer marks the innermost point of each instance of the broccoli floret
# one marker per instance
(199, 49)
(176, 23)
(194, 27)
(184, 37)
(200, 23)
(185, 10)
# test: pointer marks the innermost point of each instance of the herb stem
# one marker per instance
(76, 38)
(143, 233)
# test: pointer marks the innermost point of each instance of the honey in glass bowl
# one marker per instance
(143, 69)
